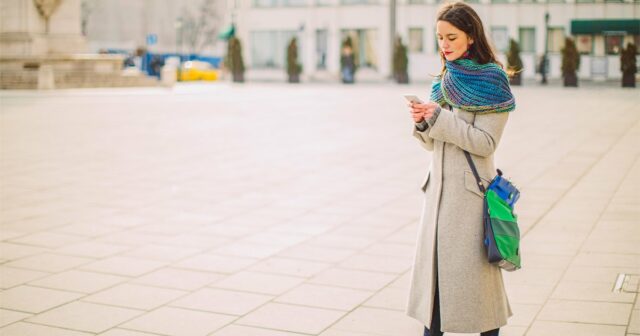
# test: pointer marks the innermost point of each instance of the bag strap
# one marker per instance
(475, 171)
(471, 164)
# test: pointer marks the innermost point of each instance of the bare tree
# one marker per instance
(199, 30)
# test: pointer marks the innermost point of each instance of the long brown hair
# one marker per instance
(463, 17)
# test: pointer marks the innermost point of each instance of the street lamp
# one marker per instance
(543, 65)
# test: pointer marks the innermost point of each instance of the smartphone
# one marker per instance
(413, 99)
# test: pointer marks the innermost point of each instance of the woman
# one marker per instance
(453, 286)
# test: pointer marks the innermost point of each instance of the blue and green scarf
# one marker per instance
(473, 87)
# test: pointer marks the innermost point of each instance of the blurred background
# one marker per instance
(79, 43)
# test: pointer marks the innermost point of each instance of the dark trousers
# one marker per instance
(435, 320)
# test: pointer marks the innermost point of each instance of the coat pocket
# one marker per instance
(425, 181)
(471, 184)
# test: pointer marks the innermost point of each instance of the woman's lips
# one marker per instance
(448, 52)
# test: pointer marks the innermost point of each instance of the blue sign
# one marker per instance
(152, 39)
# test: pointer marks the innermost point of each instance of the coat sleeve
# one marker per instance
(423, 137)
(481, 138)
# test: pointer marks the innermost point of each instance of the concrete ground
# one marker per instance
(277, 210)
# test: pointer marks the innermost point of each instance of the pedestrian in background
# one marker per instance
(453, 286)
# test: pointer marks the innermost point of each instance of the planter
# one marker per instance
(402, 78)
(570, 80)
(628, 79)
(238, 77)
(516, 80)
(294, 78)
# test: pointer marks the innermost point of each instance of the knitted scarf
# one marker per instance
(473, 87)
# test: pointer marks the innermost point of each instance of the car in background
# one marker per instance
(196, 71)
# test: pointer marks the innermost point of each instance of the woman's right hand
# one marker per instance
(422, 111)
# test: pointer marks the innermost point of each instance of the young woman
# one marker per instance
(453, 286)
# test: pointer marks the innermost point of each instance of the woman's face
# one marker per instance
(452, 41)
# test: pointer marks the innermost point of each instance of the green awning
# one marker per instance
(629, 26)
(227, 33)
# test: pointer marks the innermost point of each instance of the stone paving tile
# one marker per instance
(236, 330)
(124, 266)
(586, 312)
(166, 253)
(545, 328)
(178, 278)
(135, 296)
(11, 276)
(249, 249)
(352, 279)
(374, 321)
(34, 299)
(590, 291)
(222, 301)
(292, 318)
(377, 263)
(78, 281)
(12, 251)
(317, 253)
(325, 297)
(215, 263)
(178, 322)
(258, 282)
(9, 316)
(22, 329)
(49, 262)
(123, 332)
(288, 266)
(389, 298)
(92, 249)
(85, 316)
(46, 239)
(634, 323)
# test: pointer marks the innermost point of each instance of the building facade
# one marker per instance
(599, 27)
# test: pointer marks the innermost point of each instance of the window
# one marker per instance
(269, 48)
(555, 39)
(613, 44)
(265, 3)
(527, 38)
(294, 3)
(416, 2)
(584, 44)
(416, 38)
(499, 1)
(500, 37)
(321, 48)
(585, 1)
(358, 2)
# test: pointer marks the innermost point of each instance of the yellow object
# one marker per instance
(197, 70)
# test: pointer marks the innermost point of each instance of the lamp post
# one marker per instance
(543, 66)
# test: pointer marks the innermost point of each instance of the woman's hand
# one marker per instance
(423, 111)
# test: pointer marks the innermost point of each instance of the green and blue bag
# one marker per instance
(501, 233)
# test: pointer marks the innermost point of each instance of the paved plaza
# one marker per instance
(269, 209)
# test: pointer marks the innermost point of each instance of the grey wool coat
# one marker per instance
(449, 245)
